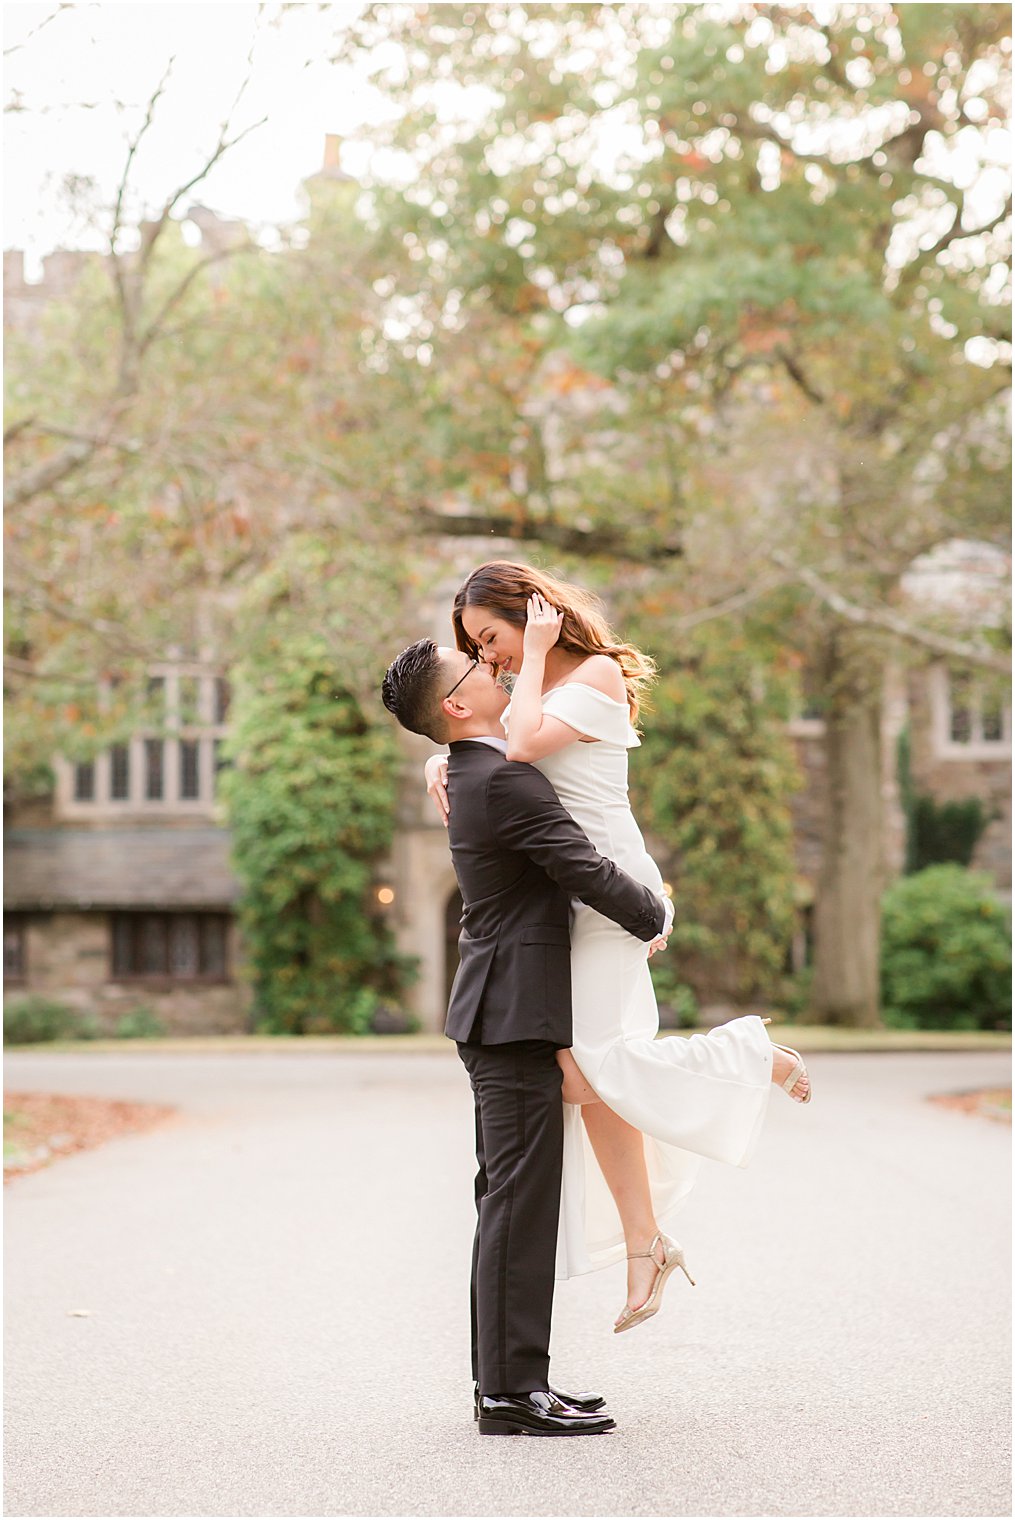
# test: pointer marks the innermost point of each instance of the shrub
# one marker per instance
(141, 1023)
(794, 998)
(678, 1006)
(32, 1020)
(945, 952)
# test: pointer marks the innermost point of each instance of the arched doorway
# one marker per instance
(452, 929)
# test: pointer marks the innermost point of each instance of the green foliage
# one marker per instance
(945, 952)
(713, 782)
(310, 801)
(247, 420)
(678, 1005)
(946, 831)
(140, 1023)
(936, 833)
(34, 1019)
(795, 997)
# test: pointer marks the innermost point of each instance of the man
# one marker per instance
(519, 857)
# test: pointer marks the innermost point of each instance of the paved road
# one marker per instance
(277, 1291)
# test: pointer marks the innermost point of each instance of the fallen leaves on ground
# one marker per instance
(41, 1127)
(988, 1102)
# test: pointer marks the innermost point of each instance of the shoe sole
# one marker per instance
(506, 1428)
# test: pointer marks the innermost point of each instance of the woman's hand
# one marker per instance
(436, 773)
(542, 626)
(659, 943)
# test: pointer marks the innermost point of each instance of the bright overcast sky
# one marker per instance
(84, 73)
(98, 55)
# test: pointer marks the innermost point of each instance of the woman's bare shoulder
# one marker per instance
(602, 673)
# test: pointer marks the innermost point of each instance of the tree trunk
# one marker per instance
(847, 916)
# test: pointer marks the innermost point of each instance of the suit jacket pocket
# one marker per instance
(545, 959)
(545, 934)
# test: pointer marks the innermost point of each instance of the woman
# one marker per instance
(651, 1108)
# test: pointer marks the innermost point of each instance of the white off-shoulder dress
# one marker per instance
(703, 1095)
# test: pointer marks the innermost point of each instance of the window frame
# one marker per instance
(976, 747)
(168, 979)
(18, 921)
(166, 681)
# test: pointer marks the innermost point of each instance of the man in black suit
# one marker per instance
(519, 857)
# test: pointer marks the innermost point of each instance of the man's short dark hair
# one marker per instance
(413, 689)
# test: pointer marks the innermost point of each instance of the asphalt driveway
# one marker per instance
(276, 1292)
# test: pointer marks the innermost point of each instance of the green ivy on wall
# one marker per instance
(937, 833)
(713, 783)
(310, 797)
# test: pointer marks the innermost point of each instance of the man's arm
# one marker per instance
(525, 814)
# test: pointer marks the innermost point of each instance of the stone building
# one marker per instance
(117, 889)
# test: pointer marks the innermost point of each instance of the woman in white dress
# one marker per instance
(639, 1112)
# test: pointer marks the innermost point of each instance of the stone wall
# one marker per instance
(67, 958)
(956, 778)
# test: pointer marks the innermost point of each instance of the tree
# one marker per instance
(175, 417)
(713, 781)
(780, 236)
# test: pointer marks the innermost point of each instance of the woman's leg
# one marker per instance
(620, 1150)
(575, 1089)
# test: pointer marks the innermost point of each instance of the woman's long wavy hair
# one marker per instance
(504, 588)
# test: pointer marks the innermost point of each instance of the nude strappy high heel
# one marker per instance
(673, 1257)
(799, 1070)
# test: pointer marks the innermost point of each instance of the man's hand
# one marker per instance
(542, 627)
(436, 773)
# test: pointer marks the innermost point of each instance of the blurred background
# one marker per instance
(309, 309)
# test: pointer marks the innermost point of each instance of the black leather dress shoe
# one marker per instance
(588, 1403)
(537, 1414)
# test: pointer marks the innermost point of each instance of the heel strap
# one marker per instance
(634, 1255)
(799, 1070)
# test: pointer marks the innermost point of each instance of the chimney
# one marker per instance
(332, 153)
(14, 269)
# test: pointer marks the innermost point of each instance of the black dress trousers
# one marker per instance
(519, 1148)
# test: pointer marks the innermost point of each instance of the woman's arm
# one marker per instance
(531, 733)
(528, 730)
(435, 773)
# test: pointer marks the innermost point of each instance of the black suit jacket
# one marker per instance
(520, 857)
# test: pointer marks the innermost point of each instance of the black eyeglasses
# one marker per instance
(458, 683)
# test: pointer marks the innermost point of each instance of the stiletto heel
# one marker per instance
(673, 1257)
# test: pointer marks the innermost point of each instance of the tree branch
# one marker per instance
(17, 46)
(153, 330)
(796, 374)
(128, 279)
(956, 232)
(733, 603)
(18, 667)
(132, 148)
(16, 428)
(52, 471)
(550, 531)
(883, 617)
